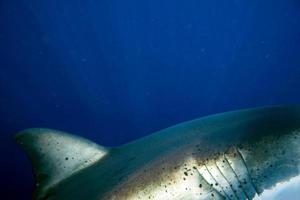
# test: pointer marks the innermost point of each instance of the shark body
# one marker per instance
(234, 156)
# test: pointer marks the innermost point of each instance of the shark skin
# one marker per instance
(235, 156)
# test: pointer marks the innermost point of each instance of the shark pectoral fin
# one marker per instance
(56, 155)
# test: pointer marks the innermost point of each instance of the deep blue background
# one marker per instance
(116, 70)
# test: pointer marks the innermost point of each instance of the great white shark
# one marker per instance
(235, 156)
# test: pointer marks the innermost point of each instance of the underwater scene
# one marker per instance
(160, 99)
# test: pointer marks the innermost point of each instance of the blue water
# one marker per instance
(113, 71)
